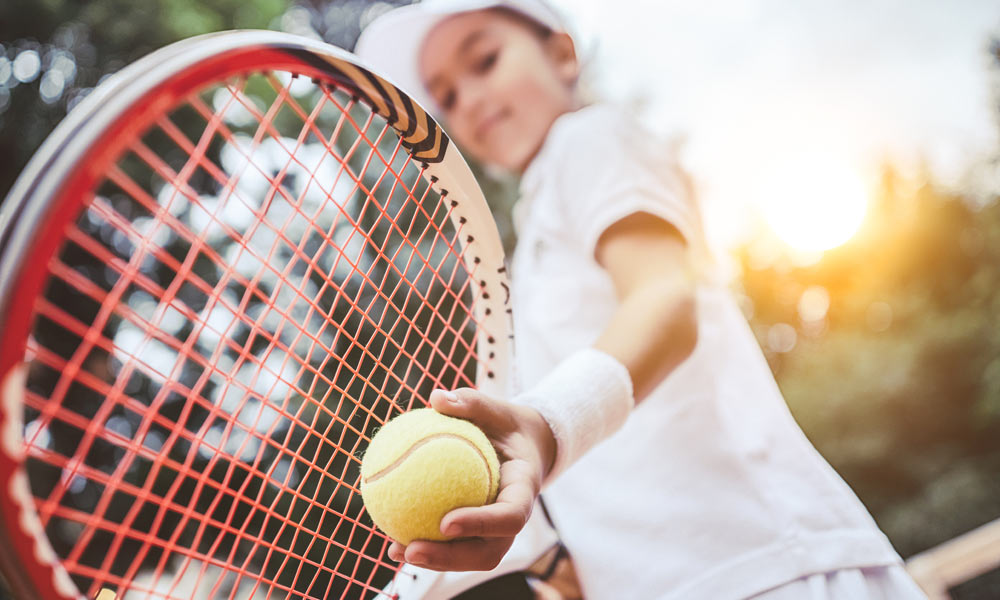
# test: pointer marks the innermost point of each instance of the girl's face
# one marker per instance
(499, 84)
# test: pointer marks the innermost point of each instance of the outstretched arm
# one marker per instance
(655, 327)
(652, 331)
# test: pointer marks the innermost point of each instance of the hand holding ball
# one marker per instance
(420, 466)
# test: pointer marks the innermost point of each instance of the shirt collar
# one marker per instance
(531, 178)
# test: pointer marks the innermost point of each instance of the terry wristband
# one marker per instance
(585, 399)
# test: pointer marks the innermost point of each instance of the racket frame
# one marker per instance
(45, 199)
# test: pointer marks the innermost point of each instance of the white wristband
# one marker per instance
(585, 399)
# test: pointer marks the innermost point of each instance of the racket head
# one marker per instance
(375, 161)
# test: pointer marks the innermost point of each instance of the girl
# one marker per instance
(671, 465)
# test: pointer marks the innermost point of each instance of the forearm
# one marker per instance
(589, 394)
(653, 331)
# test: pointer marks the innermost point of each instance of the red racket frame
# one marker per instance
(40, 218)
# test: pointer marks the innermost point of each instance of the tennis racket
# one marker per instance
(226, 268)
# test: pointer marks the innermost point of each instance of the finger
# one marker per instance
(459, 555)
(488, 414)
(505, 517)
(397, 551)
(491, 521)
(520, 482)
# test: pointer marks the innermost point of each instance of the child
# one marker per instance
(671, 465)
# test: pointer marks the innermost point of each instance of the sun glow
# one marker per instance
(814, 204)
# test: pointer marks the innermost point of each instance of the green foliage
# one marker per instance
(102, 37)
(906, 404)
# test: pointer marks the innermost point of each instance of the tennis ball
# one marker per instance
(421, 465)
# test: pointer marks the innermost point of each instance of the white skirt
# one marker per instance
(875, 583)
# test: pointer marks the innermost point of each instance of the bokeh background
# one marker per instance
(847, 158)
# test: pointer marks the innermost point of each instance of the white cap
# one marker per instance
(391, 44)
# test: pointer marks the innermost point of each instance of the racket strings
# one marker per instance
(99, 478)
(363, 133)
(254, 295)
(406, 237)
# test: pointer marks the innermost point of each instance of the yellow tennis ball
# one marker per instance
(421, 465)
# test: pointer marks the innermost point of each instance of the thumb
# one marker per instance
(471, 405)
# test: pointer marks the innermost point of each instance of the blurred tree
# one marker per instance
(894, 373)
(908, 329)
(66, 47)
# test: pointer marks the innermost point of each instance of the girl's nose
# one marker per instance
(471, 94)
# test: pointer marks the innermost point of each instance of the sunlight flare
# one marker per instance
(815, 204)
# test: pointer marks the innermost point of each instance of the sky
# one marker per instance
(761, 87)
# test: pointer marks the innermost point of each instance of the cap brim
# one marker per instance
(391, 44)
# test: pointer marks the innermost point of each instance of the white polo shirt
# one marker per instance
(710, 490)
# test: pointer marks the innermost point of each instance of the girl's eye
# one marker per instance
(448, 100)
(485, 63)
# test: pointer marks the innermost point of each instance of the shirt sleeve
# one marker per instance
(611, 170)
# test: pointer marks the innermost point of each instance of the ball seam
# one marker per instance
(409, 451)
